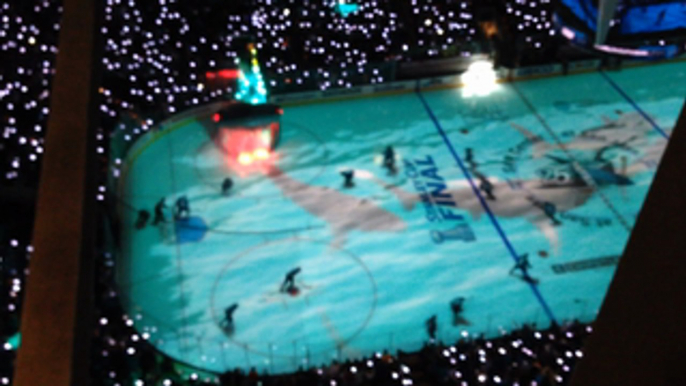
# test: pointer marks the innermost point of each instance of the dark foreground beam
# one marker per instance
(606, 12)
(640, 333)
(56, 320)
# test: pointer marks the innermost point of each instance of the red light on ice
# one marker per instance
(261, 154)
(216, 117)
(245, 159)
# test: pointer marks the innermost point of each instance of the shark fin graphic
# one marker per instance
(540, 145)
(548, 229)
(408, 200)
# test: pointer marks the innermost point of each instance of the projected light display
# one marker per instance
(344, 8)
(251, 86)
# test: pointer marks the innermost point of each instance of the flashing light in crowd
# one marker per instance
(344, 9)
(14, 342)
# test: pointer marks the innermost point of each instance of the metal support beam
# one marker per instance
(639, 334)
(56, 321)
(606, 11)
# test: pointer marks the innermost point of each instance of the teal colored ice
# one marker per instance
(555, 169)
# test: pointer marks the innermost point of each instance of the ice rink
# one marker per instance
(554, 169)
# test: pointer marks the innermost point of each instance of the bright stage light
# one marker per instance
(266, 137)
(479, 80)
(245, 159)
(261, 154)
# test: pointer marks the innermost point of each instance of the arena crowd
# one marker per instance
(155, 63)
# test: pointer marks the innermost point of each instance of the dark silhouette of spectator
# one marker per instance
(431, 327)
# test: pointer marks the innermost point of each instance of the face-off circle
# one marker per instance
(325, 283)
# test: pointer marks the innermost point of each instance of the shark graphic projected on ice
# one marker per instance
(557, 188)
(602, 172)
(630, 133)
(342, 212)
(628, 128)
(650, 159)
(526, 199)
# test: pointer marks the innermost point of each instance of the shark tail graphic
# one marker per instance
(540, 145)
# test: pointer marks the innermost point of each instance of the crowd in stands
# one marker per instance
(155, 60)
(28, 44)
(526, 34)
(14, 259)
(157, 53)
(29, 32)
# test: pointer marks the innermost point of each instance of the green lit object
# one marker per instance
(251, 86)
(14, 341)
(344, 9)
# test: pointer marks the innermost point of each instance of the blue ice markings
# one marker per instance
(439, 205)
(461, 231)
(190, 229)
